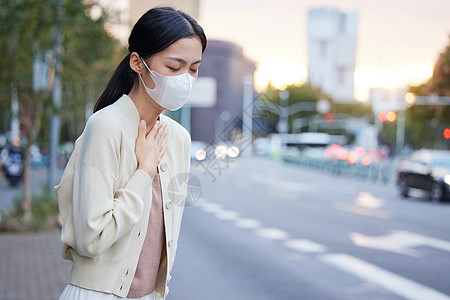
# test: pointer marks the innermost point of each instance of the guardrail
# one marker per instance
(383, 171)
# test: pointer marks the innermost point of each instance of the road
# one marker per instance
(264, 229)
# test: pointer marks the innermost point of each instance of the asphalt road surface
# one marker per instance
(264, 229)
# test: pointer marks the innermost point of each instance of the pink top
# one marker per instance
(144, 280)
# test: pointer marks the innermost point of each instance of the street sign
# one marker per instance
(204, 92)
(323, 106)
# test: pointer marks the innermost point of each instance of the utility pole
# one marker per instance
(15, 128)
(56, 95)
(400, 130)
(283, 121)
(247, 118)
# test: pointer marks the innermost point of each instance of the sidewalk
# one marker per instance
(31, 266)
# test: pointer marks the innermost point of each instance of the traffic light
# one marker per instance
(447, 133)
(389, 116)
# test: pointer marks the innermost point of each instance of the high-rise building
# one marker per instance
(332, 52)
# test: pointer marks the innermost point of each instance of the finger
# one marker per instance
(162, 151)
(142, 128)
(153, 130)
(159, 132)
(162, 132)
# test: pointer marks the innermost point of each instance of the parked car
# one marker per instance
(427, 170)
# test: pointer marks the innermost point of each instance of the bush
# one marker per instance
(44, 209)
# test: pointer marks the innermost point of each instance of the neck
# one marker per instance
(147, 108)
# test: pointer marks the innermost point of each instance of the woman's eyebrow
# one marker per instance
(182, 61)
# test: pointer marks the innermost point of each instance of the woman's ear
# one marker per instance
(136, 63)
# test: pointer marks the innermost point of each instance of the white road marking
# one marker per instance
(368, 200)
(399, 241)
(386, 243)
(227, 215)
(394, 283)
(438, 244)
(362, 210)
(303, 245)
(272, 234)
(366, 204)
(211, 207)
(248, 223)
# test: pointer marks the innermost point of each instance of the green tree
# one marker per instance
(89, 56)
(439, 83)
(27, 28)
(297, 93)
(332, 122)
(426, 123)
(63, 32)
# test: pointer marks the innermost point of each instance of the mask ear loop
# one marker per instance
(146, 66)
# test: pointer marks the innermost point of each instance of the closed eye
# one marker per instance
(174, 69)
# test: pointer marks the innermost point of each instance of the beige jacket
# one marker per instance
(105, 201)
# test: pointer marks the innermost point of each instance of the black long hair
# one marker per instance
(156, 30)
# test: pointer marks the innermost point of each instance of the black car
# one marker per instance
(427, 170)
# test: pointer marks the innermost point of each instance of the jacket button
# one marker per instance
(170, 242)
(168, 204)
(163, 167)
(121, 287)
(139, 233)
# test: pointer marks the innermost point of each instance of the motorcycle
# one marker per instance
(13, 166)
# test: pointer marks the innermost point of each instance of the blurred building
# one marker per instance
(217, 98)
(139, 7)
(332, 51)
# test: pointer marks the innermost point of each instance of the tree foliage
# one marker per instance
(297, 93)
(439, 83)
(75, 47)
(311, 118)
(425, 124)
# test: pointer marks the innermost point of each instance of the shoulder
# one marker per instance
(103, 122)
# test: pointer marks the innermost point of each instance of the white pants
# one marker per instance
(72, 292)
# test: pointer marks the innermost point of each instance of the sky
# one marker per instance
(398, 41)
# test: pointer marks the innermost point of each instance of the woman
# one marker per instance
(120, 225)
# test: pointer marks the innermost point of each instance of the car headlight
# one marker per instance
(221, 152)
(233, 152)
(447, 179)
(200, 155)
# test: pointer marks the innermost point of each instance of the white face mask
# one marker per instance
(170, 92)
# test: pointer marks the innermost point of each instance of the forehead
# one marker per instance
(189, 49)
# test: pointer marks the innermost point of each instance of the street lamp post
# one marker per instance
(401, 130)
(283, 122)
(247, 118)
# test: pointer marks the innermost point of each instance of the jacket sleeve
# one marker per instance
(102, 212)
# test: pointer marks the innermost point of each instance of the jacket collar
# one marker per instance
(126, 105)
